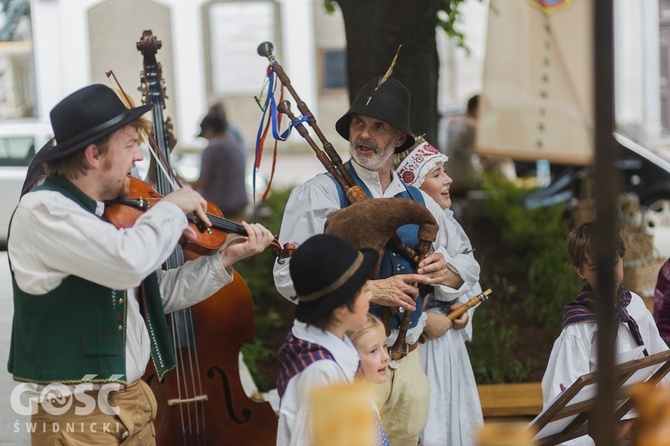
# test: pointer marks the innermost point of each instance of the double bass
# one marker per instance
(202, 401)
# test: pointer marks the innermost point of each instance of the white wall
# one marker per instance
(63, 58)
(637, 69)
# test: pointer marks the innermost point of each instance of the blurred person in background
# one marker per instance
(466, 168)
(217, 107)
(662, 302)
(222, 168)
(460, 148)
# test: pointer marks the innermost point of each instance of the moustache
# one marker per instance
(367, 143)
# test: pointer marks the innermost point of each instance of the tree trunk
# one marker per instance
(374, 30)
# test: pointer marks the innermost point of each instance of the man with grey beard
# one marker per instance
(377, 126)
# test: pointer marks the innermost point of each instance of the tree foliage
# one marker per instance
(375, 29)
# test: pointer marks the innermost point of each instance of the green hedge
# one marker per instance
(535, 237)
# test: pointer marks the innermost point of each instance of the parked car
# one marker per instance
(643, 172)
(19, 141)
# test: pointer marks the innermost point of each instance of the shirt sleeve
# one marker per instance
(305, 214)
(193, 282)
(53, 237)
(569, 359)
(453, 248)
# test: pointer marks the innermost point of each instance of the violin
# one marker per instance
(197, 238)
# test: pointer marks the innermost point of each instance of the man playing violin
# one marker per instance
(90, 299)
(377, 126)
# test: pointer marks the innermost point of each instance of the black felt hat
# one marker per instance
(326, 272)
(86, 116)
(389, 102)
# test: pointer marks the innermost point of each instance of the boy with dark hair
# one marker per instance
(574, 353)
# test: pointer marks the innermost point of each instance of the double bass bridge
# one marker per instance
(195, 399)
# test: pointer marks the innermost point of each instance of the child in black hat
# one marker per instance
(330, 278)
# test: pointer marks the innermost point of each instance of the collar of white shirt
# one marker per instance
(342, 350)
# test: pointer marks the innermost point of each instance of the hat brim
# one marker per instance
(72, 145)
(342, 127)
(308, 311)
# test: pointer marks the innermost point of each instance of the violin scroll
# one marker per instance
(282, 252)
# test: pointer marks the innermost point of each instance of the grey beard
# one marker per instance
(377, 160)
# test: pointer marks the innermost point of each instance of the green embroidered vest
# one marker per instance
(79, 328)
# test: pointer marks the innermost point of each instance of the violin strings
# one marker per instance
(153, 151)
(181, 375)
(199, 390)
(227, 225)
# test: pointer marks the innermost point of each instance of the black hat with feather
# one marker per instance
(383, 98)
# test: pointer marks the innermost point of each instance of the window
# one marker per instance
(233, 30)
(334, 69)
(16, 150)
(17, 95)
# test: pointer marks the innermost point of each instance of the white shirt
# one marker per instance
(575, 352)
(470, 272)
(52, 237)
(311, 203)
(294, 410)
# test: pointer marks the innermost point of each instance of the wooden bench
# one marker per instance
(511, 400)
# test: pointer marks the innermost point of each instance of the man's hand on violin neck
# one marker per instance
(240, 247)
(190, 201)
(397, 290)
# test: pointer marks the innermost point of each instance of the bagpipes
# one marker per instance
(365, 223)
